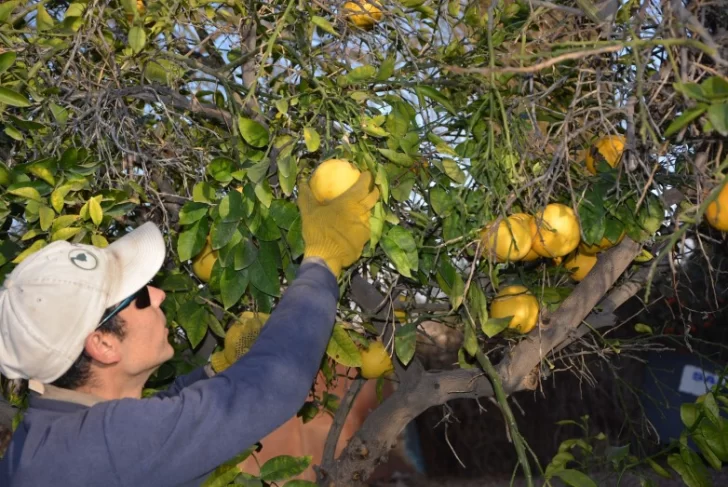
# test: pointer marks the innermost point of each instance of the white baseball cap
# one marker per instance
(57, 296)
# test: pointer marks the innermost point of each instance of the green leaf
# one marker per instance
(34, 247)
(477, 304)
(64, 221)
(684, 119)
(659, 469)
(191, 241)
(470, 339)
(13, 98)
(231, 207)
(13, 133)
(43, 20)
(191, 317)
(691, 90)
(718, 116)
(376, 225)
(6, 9)
(264, 193)
(324, 25)
(451, 282)
(294, 238)
(99, 241)
(221, 233)
(59, 113)
(312, 138)
(232, 285)
(264, 271)
(95, 211)
(284, 213)
(283, 467)
(493, 326)
(575, 478)
(435, 95)
(253, 132)
(223, 475)
(221, 169)
(715, 88)
(692, 471)
(191, 212)
(46, 217)
(397, 157)
(386, 69)
(203, 192)
(441, 201)
(245, 254)
(155, 73)
(400, 247)
(452, 169)
(402, 187)
(405, 342)
(642, 328)
(342, 349)
(362, 73)
(6, 60)
(26, 192)
(137, 39)
(65, 233)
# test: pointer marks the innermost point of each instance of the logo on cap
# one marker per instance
(83, 259)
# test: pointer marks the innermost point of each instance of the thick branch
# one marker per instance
(419, 390)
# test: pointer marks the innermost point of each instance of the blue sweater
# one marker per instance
(178, 437)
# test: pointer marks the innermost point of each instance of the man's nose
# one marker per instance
(157, 296)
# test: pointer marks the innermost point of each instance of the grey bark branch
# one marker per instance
(419, 390)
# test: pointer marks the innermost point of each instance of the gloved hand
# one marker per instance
(337, 230)
(238, 340)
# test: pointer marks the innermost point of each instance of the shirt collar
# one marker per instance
(53, 393)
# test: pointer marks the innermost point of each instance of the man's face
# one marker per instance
(145, 345)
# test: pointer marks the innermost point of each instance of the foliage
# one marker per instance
(704, 424)
(204, 116)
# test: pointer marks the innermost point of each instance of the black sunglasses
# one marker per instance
(141, 297)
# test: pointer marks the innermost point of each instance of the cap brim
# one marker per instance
(139, 255)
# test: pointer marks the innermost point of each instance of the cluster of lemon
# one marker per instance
(552, 233)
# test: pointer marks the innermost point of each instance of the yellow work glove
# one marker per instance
(337, 230)
(238, 340)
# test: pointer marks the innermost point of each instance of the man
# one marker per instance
(83, 325)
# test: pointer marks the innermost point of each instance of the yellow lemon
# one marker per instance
(610, 148)
(518, 302)
(580, 264)
(716, 214)
(511, 241)
(375, 361)
(203, 262)
(140, 9)
(372, 13)
(604, 244)
(332, 178)
(555, 231)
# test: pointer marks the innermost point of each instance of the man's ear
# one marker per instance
(103, 347)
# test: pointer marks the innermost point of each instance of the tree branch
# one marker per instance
(419, 390)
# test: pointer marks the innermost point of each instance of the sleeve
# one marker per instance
(183, 381)
(172, 440)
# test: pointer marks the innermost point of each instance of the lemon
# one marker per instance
(372, 13)
(716, 214)
(332, 178)
(203, 262)
(580, 264)
(604, 244)
(610, 148)
(526, 219)
(518, 302)
(511, 241)
(555, 231)
(375, 361)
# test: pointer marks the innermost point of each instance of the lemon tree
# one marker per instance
(515, 146)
